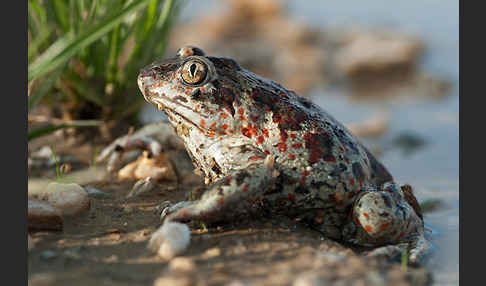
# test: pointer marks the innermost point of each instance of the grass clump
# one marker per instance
(84, 55)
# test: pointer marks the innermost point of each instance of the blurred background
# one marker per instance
(389, 70)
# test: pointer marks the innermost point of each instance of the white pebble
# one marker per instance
(171, 239)
(70, 199)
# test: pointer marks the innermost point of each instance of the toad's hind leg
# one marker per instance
(390, 217)
(238, 193)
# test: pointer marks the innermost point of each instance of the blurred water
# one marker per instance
(434, 169)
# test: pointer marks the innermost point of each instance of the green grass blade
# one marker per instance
(43, 88)
(112, 69)
(39, 40)
(52, 127)
(84, 89)
(54, 59)
(153, 42)
(61, 14)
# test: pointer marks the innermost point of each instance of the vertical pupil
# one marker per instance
(192, 70)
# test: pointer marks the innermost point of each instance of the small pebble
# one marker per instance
(43, 216)
(70, 199)
(141, 187)
(95, 193)
(174, 281)
(41, 279)
(310, 279)
(182, 264)
(48, 255)
(237, 283)
(170, 240)
(210, 253)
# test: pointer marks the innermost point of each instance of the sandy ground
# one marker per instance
(107, 245)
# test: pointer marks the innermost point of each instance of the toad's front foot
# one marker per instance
(168, 208)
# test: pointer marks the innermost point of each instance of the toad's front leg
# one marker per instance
(239, 193)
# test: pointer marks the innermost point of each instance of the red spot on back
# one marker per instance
(202, 123)
(266, 152)
(283, 136)
(265, 132)
(249, 131)
(366, 215)
(293, 136)
(225, 126)
(297, 146)
(246, 131)
(224, 115)
(368, 228)
(260, 139)
(291, 157)
(255, 158)
(330, 158)
(282, 147)
(228, 180)
(384, 226)
(312, 143)
(304, 173)
(246, 187)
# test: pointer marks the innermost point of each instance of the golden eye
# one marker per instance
(194, 72)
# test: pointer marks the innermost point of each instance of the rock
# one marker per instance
(70, 199)
(43, 216)
(377, 52)
(182, 264)
(170, 240)
(43, 152)
(373, 127)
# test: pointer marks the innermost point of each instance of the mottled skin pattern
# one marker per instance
(264, 149)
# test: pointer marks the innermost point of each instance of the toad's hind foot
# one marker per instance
(417, 248)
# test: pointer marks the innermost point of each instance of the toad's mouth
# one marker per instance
(171, 106)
